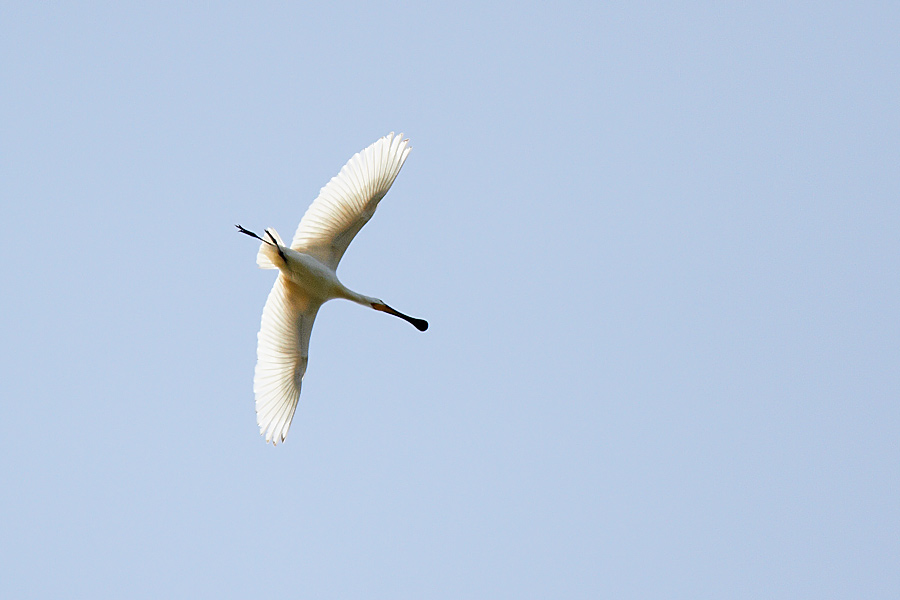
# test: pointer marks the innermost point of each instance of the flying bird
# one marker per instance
(307, 277)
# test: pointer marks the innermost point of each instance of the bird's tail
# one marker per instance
(267, 257)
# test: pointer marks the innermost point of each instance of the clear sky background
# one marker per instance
(658, 246)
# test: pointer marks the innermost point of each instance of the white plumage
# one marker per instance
(307, 277)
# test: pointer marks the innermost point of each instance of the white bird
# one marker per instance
(307, 277)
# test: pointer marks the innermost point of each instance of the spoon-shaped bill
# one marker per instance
(420, 324)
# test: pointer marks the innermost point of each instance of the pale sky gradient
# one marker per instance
(658, 246)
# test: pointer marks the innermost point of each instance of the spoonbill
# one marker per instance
(307, 277)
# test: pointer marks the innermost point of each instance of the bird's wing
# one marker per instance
(349, 200)
(282, 354)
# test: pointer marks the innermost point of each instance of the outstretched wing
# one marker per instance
(349, 200)
(282, 354)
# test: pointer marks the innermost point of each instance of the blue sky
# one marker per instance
(657, 245)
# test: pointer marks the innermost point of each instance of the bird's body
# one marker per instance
(316, 279)
(307, 277)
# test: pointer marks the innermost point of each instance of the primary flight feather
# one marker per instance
(307, 277)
